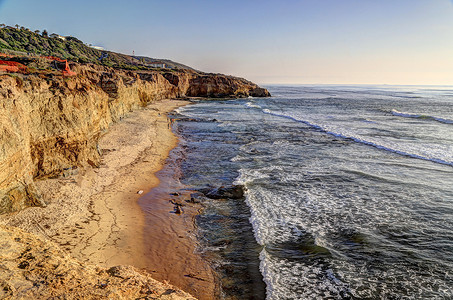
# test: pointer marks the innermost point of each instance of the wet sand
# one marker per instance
(170, 236)
(93, 213)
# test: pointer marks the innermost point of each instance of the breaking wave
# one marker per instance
(361, 140)
(423, 117)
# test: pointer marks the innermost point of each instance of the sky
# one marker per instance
(268, 41)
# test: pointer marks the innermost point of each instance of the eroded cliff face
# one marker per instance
(214, 85)
(50, 124)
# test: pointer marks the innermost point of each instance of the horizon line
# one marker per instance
(355, 84)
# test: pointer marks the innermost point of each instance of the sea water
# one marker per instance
(349, 191)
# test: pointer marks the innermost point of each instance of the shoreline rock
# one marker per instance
(231, 192)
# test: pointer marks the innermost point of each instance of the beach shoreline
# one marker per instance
(93, 213)
(171, 243)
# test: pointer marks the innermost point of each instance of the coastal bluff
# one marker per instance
(50, 125)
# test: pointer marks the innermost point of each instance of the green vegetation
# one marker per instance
(70, 48)
(31, 42)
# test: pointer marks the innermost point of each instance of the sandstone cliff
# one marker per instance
(50, 124)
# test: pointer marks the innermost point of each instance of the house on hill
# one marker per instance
(54, 35)
(157, 64)
(96, 47)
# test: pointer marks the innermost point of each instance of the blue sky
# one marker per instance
(312, 41)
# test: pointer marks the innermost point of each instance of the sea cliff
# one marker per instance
(50, 124)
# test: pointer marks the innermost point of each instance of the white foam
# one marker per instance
(418, 116)
(247, 176)
(292, 280)
(446, 153)
(404, 114)
(225, 124)
(238, 158)
(251, 104)
(179, 110)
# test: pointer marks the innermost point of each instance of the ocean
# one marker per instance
(349, 191)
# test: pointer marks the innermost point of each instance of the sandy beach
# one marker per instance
(93, 213)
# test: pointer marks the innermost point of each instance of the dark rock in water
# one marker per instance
(192, 200)
(232, 192)
(196, 197)
(259, 92)
(176, 203)
(178, 210)
(187, 119)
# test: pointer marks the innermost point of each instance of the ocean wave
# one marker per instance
(417, 116)
(238, 158)
(247, 176)
(251, 104)
(179, 110)
(361, 140)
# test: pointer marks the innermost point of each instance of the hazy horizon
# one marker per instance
(269, 42)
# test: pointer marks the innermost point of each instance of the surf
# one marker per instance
(420, 117)
(360, 140)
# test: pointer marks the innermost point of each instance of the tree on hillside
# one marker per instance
(44, 33)
(2, 25)
(17, 26)
(37, 31)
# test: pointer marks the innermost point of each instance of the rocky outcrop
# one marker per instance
(33, 268)
(217, 85)
(192, 84)
(50, 123)
(223, 192)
